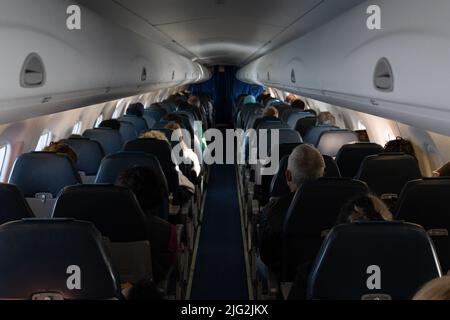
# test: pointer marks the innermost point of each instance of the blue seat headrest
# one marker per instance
(89, 152)
(373, 258)
(314, 134)
(350, 157)
(43, 172)
(113, 210)
(127, 131)
(139, 123)
(110, 140)
(13, 205)
(50, 252)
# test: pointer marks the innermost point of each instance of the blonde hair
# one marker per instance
(437, 289)
(326, 118)
(270, 112)
(158, 135)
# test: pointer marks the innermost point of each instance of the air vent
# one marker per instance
(33, 72)
(293, 78)
(383, 77)
(144, 74)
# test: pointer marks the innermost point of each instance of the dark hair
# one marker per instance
(298, 104)
(400, 145)
(144, 289)
(136, 109)
(366, 207)
(146, 185)
(112, 123)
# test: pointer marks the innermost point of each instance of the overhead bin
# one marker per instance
(75, 68)
(399, 72)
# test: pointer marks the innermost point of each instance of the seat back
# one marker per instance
(113, 210)
(110, 140)
(314, 134)
(163, 152)
(388, 173)
(314, 211)
(350, 157)
(139, 123)
(127, 131)
(59, 259)
(90, 154)
(373, 261)
(13, 205)
(330, 142)
(155, 113)
(424, 202)
(294, 117)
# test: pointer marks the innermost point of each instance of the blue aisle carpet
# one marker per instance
(220, 268)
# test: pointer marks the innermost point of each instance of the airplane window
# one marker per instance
(44, 141)
(3, 153)
(99, 120)
(77, 128)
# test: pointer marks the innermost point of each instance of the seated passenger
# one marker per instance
(304, 164)
(112, 124)
(443, 171)
(362, 208)
(136, 109)
(435, 290)
(400, 145)
(163, 235)
(269, 114)
(326, 118)
(291, 98)
(189, 156)
(59, 147)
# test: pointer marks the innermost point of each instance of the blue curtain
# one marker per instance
(224, 88)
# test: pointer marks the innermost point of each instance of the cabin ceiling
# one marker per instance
(216, 32)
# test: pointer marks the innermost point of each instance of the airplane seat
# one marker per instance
(114, 165)
(163, 152)
(149, 120)
(110, 140)
(350, 157)
(247, 111)
(373, 261)
(282, 108)
(139, 123)
(13, 205)
(424, 202)
(251, 116)
(301, 121)
(270, 124)
(314, 134)
(313, 212)
(386, 174)
(59, 259)
(127, 131)
(154, 113)
(90, 154)
(330, 142)
(40, 176)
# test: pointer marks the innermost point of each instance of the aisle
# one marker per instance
(220, 272)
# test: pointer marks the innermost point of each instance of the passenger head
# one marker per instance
(172, 117)
(443, 171)
(143, 181)
(62, 148)
(249, 99)
(112, 124)
(326, 118)
(136, 109)
(270, 112)
(157, 135)
(366, 207)
(298, 104)
(435, 290)
(400, 145)
(305, 164)
(194, 101)
(291, 98)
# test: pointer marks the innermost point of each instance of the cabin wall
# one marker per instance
(336, 63)
(23, 136)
